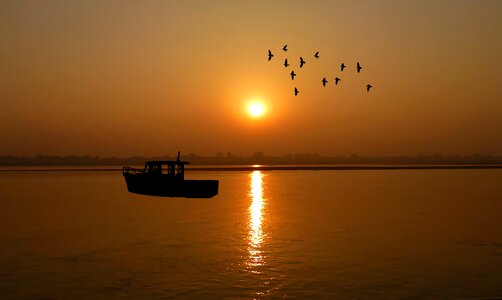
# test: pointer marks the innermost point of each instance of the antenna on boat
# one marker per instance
(178, 156)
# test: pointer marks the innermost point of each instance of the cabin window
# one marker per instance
(165, 169)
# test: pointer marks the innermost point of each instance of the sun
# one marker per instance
(256, 109)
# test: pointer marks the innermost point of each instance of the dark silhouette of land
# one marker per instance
(257, 158)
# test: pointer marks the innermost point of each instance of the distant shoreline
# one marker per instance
(265, 168)
(259, 158)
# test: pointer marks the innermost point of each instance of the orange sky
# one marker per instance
(151, 77)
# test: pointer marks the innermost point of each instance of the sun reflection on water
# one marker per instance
(256, 234)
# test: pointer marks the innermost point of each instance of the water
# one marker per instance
(279, 234)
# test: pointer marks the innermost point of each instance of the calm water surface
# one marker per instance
(278, 234)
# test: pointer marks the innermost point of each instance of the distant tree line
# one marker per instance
(257, 158)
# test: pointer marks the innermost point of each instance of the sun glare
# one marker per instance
(256, 109)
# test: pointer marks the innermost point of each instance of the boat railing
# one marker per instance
(132, 171)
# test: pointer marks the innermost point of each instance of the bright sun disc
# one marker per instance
(256, 109)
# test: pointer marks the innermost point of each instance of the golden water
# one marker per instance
(295, 234)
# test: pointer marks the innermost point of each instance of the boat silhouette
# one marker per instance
(167, 179)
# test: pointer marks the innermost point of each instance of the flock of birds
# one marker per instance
(316, 55)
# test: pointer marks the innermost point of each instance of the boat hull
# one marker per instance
(167, 187)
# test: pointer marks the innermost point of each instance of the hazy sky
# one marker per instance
(150, 77)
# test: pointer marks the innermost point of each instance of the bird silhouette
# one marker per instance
(342, 66)
(358, 67)
(337, 80)
(270, 55)
(302, 62)
(324, 81)
(296, 92)
(368, 87)
(285, 48)
(293, 75)
(286, 63)
(316, 55)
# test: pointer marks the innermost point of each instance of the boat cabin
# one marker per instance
(174, 169)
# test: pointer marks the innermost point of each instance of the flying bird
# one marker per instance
(296, 92)
(368, 87)
(302, 62)
(342, 66)
(337, 80)
(358, 67)
(286, 63)
(270, 55)
(324, 81)
(293, 75)
(285, 48)
(316, 55)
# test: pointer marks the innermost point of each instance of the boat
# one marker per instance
(167, 179)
